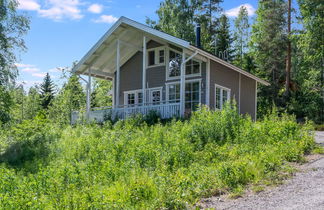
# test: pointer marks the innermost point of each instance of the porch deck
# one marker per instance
(165, 110)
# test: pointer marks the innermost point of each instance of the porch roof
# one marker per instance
(101, 58)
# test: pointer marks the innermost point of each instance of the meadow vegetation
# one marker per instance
(132, 164)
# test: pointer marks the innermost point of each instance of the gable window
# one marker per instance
(222, 95)
(155, 56)
(133, 97)
(174, 64)
(192, 67)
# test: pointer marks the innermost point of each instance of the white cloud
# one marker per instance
(60, 9)
(235, 11)
(54, 9)
(30, 69)
(23, 65)
(28, 5)
(106, 19)
(95, 8)
(56, 70)
(27, 67)
(39, 74)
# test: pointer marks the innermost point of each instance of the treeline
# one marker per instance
(282, 44)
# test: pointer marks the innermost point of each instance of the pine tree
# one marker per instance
(268, 47)
(224, 40)
(241, 36)
(47, 91)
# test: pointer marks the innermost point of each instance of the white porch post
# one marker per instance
(88, 95)
(182, 84)
(144, 71)
(118, 73)
(113, 92)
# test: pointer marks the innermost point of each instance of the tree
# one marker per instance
(224, 40)
(288, 61)
(47, 91)
(241, 36)
(70, 98)
(100, 94)
(5, 105)
(268, 47)
(12, 28)
(308, 100)
(33, 103)
(179, 18)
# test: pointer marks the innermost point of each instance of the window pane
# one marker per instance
(131, 98)
(225, 92)
(140, 98)
(188, 67)
(195, 86)
(196, 67)
(161, 56)
(218, 98)
(156, 97)
(151, 57)
(174, 64)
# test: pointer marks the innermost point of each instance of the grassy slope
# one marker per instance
(133, 165)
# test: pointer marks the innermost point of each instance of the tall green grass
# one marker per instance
(134, 165)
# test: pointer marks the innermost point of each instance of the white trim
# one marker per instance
(156, 56)
(256, 101)
(221, 96)
(144, 70)
(118, 73)
(135, 92)
(113, 90)
(142, 27)
(150, 90)
(191, 57)
(208, 82)
(239, 95)
(178, 82)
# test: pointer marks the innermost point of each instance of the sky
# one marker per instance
(62, 31)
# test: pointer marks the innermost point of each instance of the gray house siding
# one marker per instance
(224, 76)
(248, 96)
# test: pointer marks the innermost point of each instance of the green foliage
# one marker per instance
(132, 165)
(5, 104)
(100, 94)
(47, 91)
(12, 28)
(224, 40)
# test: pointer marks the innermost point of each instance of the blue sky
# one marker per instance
(62, 31)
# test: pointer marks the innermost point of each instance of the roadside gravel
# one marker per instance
(304, 191)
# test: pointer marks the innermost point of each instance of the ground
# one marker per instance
(304, 191)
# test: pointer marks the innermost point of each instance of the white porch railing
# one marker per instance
(165, 110)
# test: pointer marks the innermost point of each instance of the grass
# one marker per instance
(135, 165)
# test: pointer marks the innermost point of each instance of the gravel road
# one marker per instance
(304, 191)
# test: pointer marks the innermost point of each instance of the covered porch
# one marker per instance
(122, 41)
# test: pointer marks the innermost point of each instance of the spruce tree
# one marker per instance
(224, 40)
(47, 91)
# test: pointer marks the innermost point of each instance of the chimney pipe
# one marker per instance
(198, 43)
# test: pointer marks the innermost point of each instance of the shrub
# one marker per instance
(145, 164)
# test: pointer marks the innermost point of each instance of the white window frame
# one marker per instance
(221, 95)
(150, 90)
(167, 59)
(136, 96)
(156, 56)
(178, 82)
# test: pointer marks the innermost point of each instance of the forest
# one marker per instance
(143, 162)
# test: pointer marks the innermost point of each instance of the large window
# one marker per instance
(192, 94)
(155, 56)
(134, 97)
(174, 64)
(222, 94)
(174, 93)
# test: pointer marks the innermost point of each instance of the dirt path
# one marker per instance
(304, 191)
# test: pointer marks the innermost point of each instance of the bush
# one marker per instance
(142, 165)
